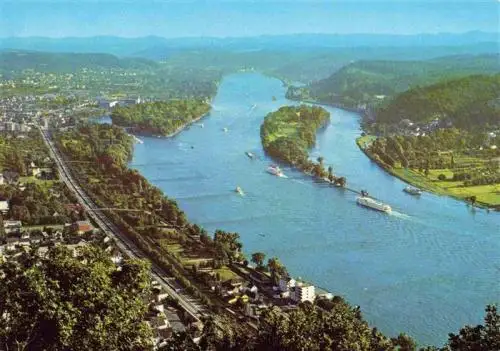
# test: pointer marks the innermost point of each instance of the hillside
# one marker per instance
(67, 62)
(372, 82)
(466, 102)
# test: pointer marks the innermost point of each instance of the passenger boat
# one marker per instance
(373, 204)
(412, 191)
(275, 170)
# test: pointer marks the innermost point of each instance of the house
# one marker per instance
(2, 180)
(36, 238)
(82, 227)
(4, 206)
(286, 283)
(12, 241)
(12, 227)
(304, 292)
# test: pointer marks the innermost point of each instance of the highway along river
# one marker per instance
(427, 269)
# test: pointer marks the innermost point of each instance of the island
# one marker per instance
(447, 142)
(288, 133)
(160, 118)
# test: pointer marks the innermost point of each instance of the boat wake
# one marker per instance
(400, 215)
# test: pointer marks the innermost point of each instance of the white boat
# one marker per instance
(239, 190)
(249, 154)
(371, 203)
(275, 170)
(202, 125)
(225, 130)
(412, 191)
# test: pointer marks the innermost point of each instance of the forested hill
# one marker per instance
(466, 102)
(67, 62)
(373, 82)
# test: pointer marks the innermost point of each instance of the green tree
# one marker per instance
(62, 302)
(481, 337)
(258, 258)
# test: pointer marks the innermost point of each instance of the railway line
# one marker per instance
(188, 303)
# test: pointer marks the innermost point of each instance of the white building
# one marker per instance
(304, 292)
(4, 206)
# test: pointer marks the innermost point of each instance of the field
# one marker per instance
(486, 195)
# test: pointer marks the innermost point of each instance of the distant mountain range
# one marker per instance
(159, 48)
(18, 60)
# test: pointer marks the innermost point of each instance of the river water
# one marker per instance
(426, 270)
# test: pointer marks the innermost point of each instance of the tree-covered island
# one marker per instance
(164, 118)
(288, 133)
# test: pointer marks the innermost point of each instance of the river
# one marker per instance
(426, 270)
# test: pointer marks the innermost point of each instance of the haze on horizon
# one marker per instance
(126, 18)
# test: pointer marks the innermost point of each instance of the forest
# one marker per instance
(470, 103)
(161, 117)
(374, 82)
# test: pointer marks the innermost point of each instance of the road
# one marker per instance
(193, 307)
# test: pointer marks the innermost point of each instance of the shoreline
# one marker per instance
(440, 191)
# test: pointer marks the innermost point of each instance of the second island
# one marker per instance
(287, 135)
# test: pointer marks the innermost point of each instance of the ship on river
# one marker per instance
(373, 204)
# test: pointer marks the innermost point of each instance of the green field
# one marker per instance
(486, 195)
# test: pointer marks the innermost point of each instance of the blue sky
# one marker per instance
(61, 18)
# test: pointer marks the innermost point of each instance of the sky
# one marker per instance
(127, 18)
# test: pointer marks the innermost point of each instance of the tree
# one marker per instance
(330, 173)
(180, 342)
(258, 258)
(481, 337)
(276, 268)
(62, 302)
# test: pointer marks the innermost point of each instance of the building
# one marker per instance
(2, 180)
(304, 292)
(82, 227)
(286, 283)
(12, 226)
(4, 206)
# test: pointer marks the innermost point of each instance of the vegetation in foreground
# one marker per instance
(160, 118)
(288, 133)
(333, 326)
(62, 302)
(447, 161)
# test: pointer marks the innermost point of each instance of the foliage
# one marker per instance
(289, 132)
(62, 302)
(160, 118)
(17, 154)
(481, 337)
(369, 81)
(466, 102)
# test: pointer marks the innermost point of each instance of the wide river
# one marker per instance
(426, 270)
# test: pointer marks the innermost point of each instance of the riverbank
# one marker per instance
(487, 196)
(181, 128)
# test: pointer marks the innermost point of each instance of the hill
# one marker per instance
(67, 62)
(466, 102)
(372, 82)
